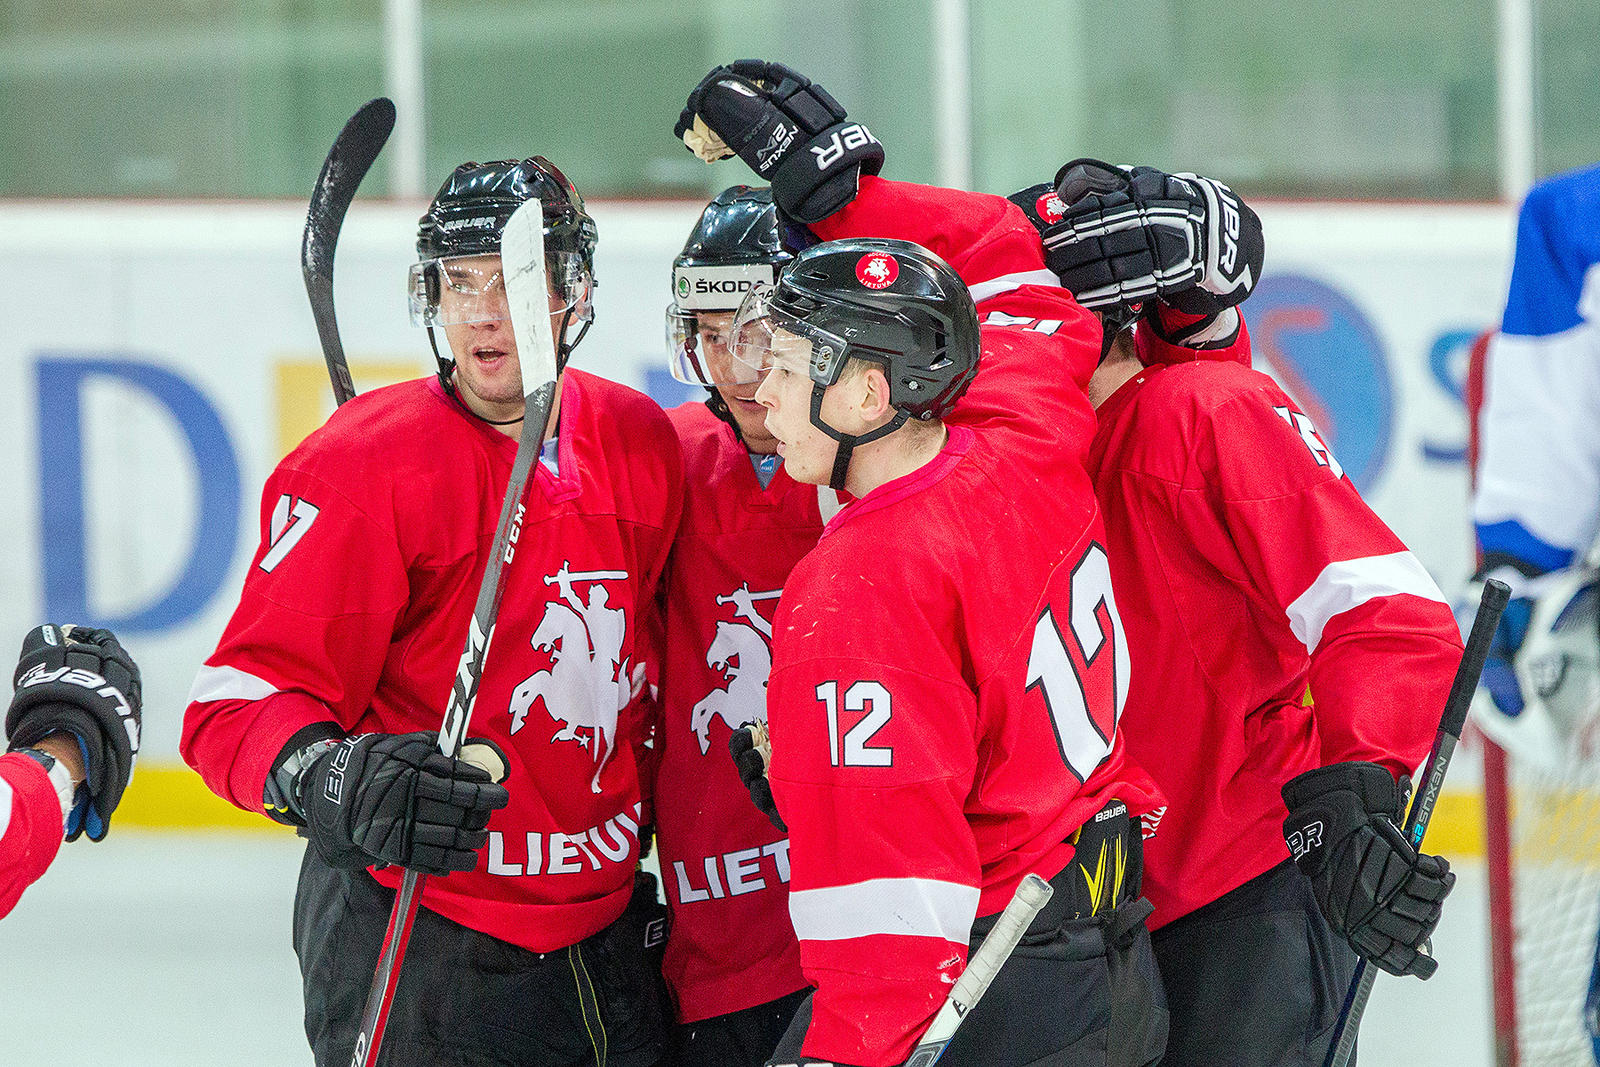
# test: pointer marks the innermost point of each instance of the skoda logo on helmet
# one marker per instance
(683, 286)
(1050, 207)
(877, 270)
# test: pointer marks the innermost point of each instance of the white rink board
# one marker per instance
(148, 346)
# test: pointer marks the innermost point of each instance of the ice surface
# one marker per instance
(173, 949)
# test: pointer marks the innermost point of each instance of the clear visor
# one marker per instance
(460, 289)
(765, 337)
(697, 348)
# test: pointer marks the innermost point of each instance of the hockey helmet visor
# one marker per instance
(698, 344)
(462, 289)
(766, 336)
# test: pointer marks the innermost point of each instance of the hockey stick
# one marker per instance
(351, 156)
(1494, 600)
(1032, 894)
(522, 260)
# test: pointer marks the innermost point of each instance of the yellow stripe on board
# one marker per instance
(1456, 828)
(305, 400)
(170, 796)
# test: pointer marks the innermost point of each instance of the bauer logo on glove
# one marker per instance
(774, 118)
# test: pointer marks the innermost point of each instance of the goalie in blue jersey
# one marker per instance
(1537, 505)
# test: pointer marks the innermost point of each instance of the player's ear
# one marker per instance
(873, 385)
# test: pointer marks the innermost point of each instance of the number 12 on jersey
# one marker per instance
(1082, 671)
(870, 697)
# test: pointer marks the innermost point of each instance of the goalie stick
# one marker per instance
(1494, 600)
(522, 260)
(1031, 895)
(351, 156)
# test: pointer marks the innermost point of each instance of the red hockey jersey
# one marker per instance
(724, 866)
(30, 826)
(356, 606)
(1222, 502)
(948, 663)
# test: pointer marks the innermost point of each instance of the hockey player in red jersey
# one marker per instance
(1291, 657)
(732, 961)
(72, 738)
(948, 663)
(323, 699)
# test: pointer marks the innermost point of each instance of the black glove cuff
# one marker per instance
(46, 716)
(823, 175)
(1374, 787)
(280, 796)
(327, 823)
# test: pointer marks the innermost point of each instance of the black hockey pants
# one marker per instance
(1256, 978)
(466, 999)
(739, 1038)
(1076, 992)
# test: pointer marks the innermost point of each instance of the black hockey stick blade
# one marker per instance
(522, 258)
(1496, 595)
(351, 156)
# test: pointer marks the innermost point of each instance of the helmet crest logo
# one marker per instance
(877, 270)
(1050, 207)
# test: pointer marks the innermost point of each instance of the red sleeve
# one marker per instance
(1039, 345)
(871, 768)
(30, 826)
(307, 643)
(1381, 637)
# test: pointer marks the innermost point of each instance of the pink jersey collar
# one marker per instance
(890, 492)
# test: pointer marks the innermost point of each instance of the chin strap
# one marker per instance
(847, 442)
(719, 408)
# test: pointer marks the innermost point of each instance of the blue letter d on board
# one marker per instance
(61, 491)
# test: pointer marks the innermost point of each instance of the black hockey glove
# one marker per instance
(791, 132)
(751, 753)
(81, 682)
(1116, 236)
(396, 799)
(1374, 889)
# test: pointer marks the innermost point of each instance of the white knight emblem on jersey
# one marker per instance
(742, 651)
(588, 682)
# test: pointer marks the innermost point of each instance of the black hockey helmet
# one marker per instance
(473, 204)
(893, 303)
(735, 247)
(465, 220)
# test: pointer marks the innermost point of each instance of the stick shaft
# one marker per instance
(522, 257)
(1031, 895)
(1495, 597)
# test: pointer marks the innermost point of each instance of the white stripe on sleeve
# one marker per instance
(1007, 282)
(1353, 582)
(228, 683)
(5, 806)
(918, 907)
